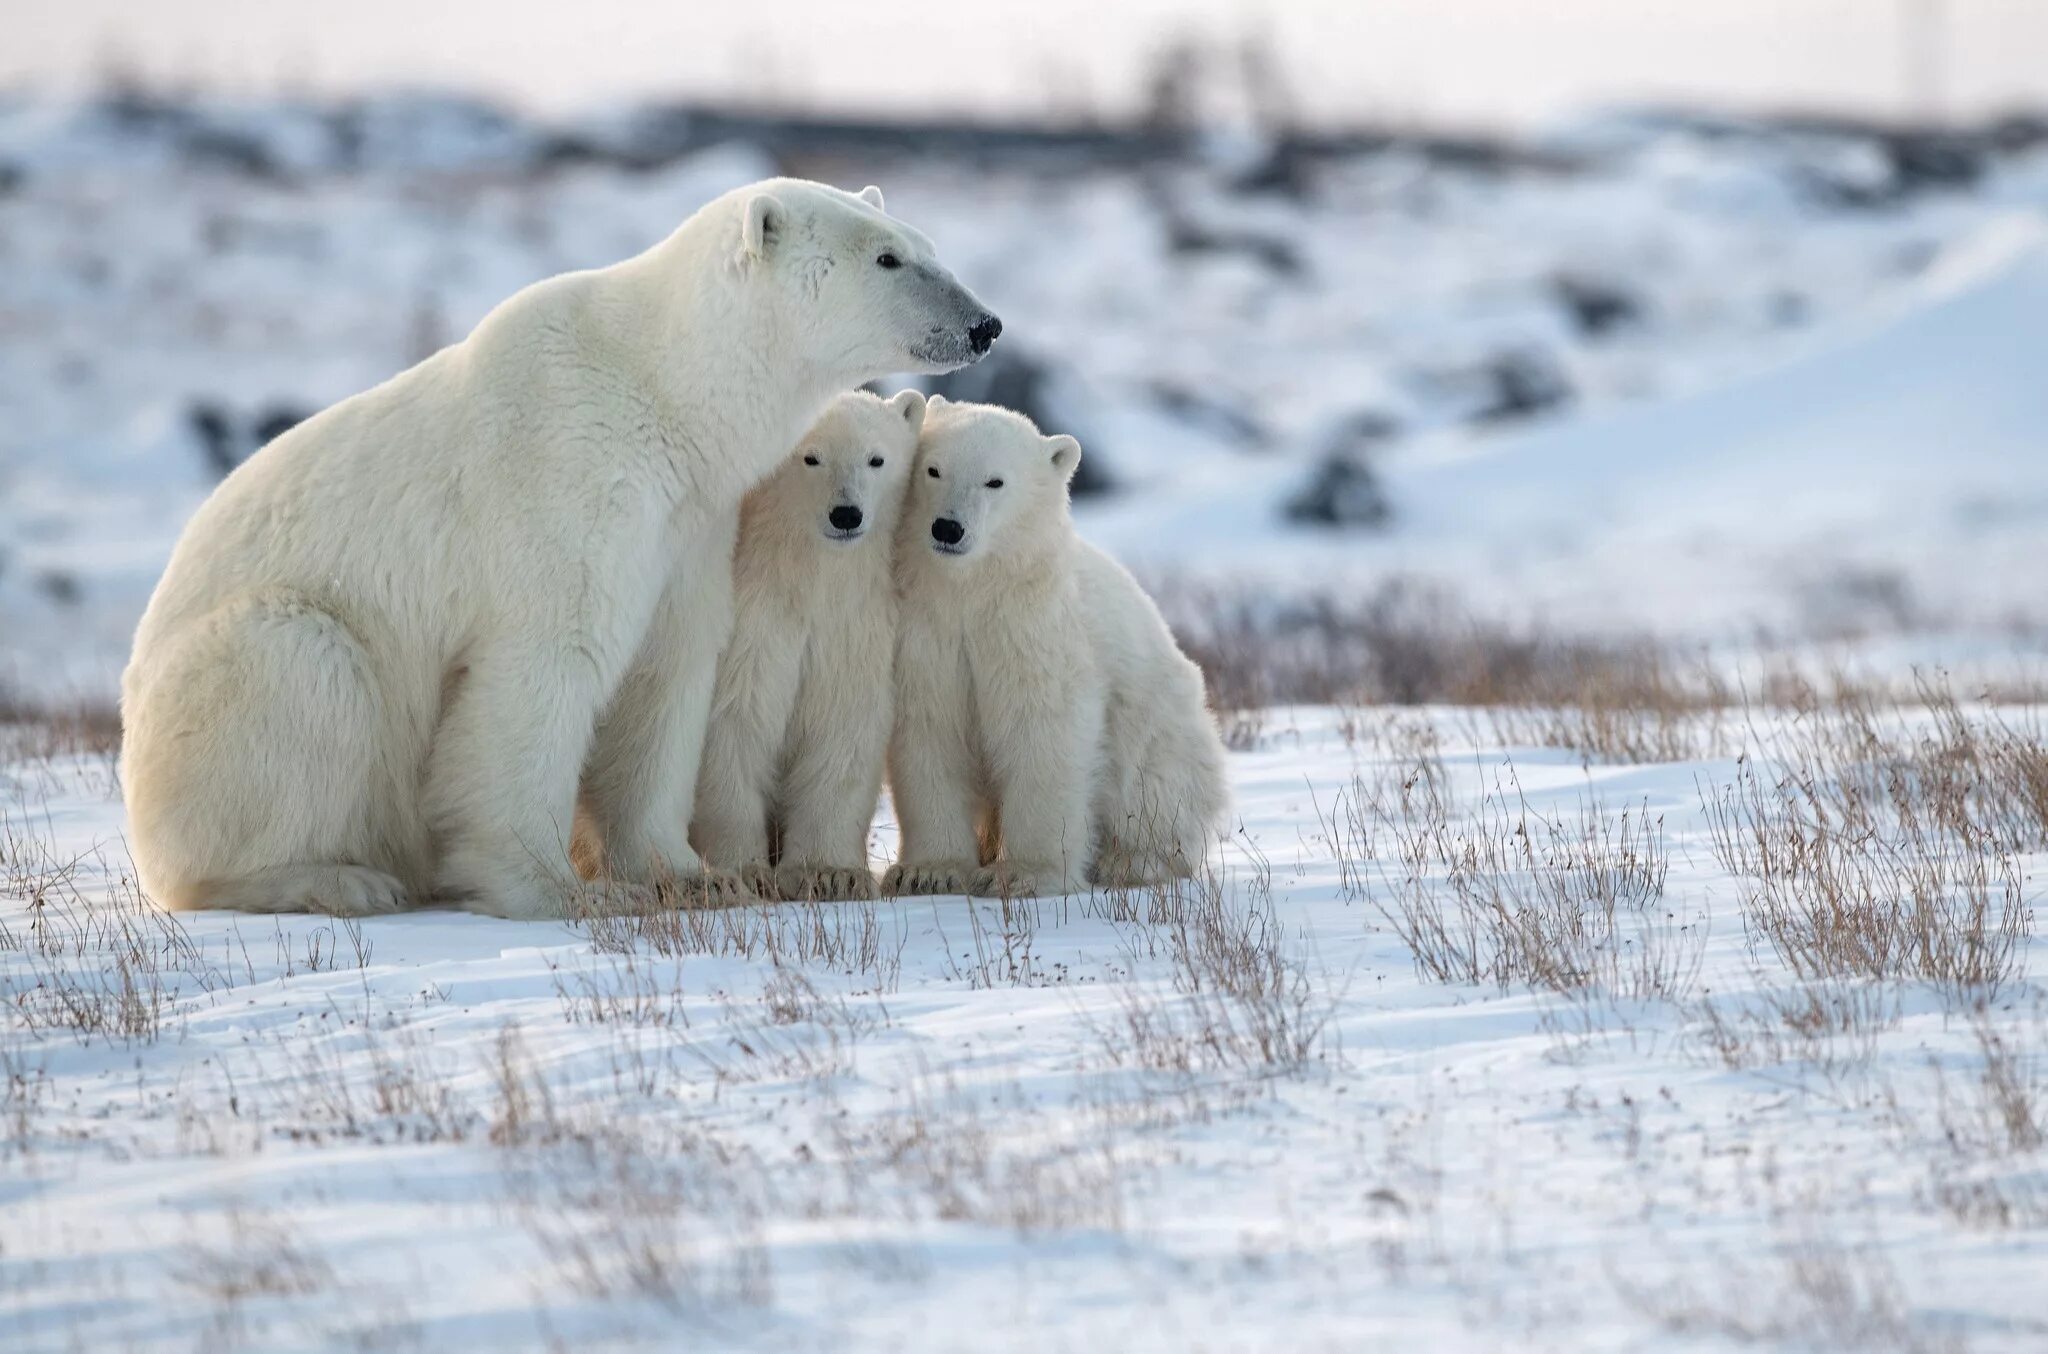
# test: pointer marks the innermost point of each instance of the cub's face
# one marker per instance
(985, 482)
(850, 469)
(864, 294)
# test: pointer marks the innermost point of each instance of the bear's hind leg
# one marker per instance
(251, 750)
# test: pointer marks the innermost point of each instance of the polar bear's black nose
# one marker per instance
(845, 517)
(985, 332)
(946, 531)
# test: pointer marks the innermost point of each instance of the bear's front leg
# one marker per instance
(639, 786)
(932, 773)
(834, 781)
(838, 741)
(1045, 770)
(501, 780)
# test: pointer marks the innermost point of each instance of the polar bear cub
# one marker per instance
(800, 722)
(1048, 733)
(402, 645)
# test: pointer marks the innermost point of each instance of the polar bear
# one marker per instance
(387, 647)
(800, 720)
(1049, 734)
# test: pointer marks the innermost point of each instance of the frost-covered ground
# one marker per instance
(1598, 1029)
(1237, 1117)
(1678, 375)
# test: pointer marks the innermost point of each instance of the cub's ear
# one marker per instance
(935, 401)
(1066, 454)
(873, 197)
(762, 226)
(909, 405)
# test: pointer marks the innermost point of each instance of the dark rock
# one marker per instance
(1787, 308)
(12, 176)
(1016, 379)
(277, 420)
(1924, 160)
(2018, 132)
(1518, 384)
(60, 586)
(1597, 307)
(1283, 171)
(1915, 160)
(1184, 236)
(228, 438)
(1344, 490)
(214, 426)
(220, 148)
(1218, 417)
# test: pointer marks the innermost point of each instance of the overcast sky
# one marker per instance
(1471, 61)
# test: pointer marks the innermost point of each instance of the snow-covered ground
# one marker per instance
(1692, 378)
(1755, 389)
(1242, 1119)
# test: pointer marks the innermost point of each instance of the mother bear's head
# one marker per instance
(850, 285)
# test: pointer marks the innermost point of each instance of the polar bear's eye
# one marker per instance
(888, 260)
(994, 484)
(932, 470)
(874, 463)
(810, 458)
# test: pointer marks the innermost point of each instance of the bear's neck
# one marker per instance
(727, 399)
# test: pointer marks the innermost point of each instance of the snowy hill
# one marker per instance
(1910, 445)
(1657, 371)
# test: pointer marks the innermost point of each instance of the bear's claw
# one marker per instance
(711, 888)
(922, 879)
(820, 883)
(1000, 881)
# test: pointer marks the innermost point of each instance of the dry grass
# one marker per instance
(1490, 890)
(1811, 1292)
(1889, 845)
(1832, 1025)
(39, 731)
(864, 938)
(1402, 644)
(983, 1153)
(626, 1208)
(103, 962)
(1979, 1138)
(250, 1281)
(1241, 999)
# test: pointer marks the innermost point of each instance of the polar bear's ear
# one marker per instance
(765, 218)
(873, 197)
(909, 405)
(1066, 454)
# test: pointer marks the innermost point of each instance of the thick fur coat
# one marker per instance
(800, 722)
(1049, 734)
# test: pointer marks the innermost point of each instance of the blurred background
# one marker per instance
(1722, 323)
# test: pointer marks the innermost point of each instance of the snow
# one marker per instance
(1795, 372)
(422, 1135)
(942, 1124)
(1915, 449)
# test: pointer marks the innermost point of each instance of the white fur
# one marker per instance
(386, 648)
(800, 722)
(1049, 733)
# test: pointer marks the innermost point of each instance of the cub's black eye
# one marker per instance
(888, 260)
(932, 470)
(874, 463)
(810, 459)
(995, 484)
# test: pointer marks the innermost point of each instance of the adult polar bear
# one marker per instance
(387, 647)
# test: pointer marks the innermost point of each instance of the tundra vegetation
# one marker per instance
(1544, 990)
